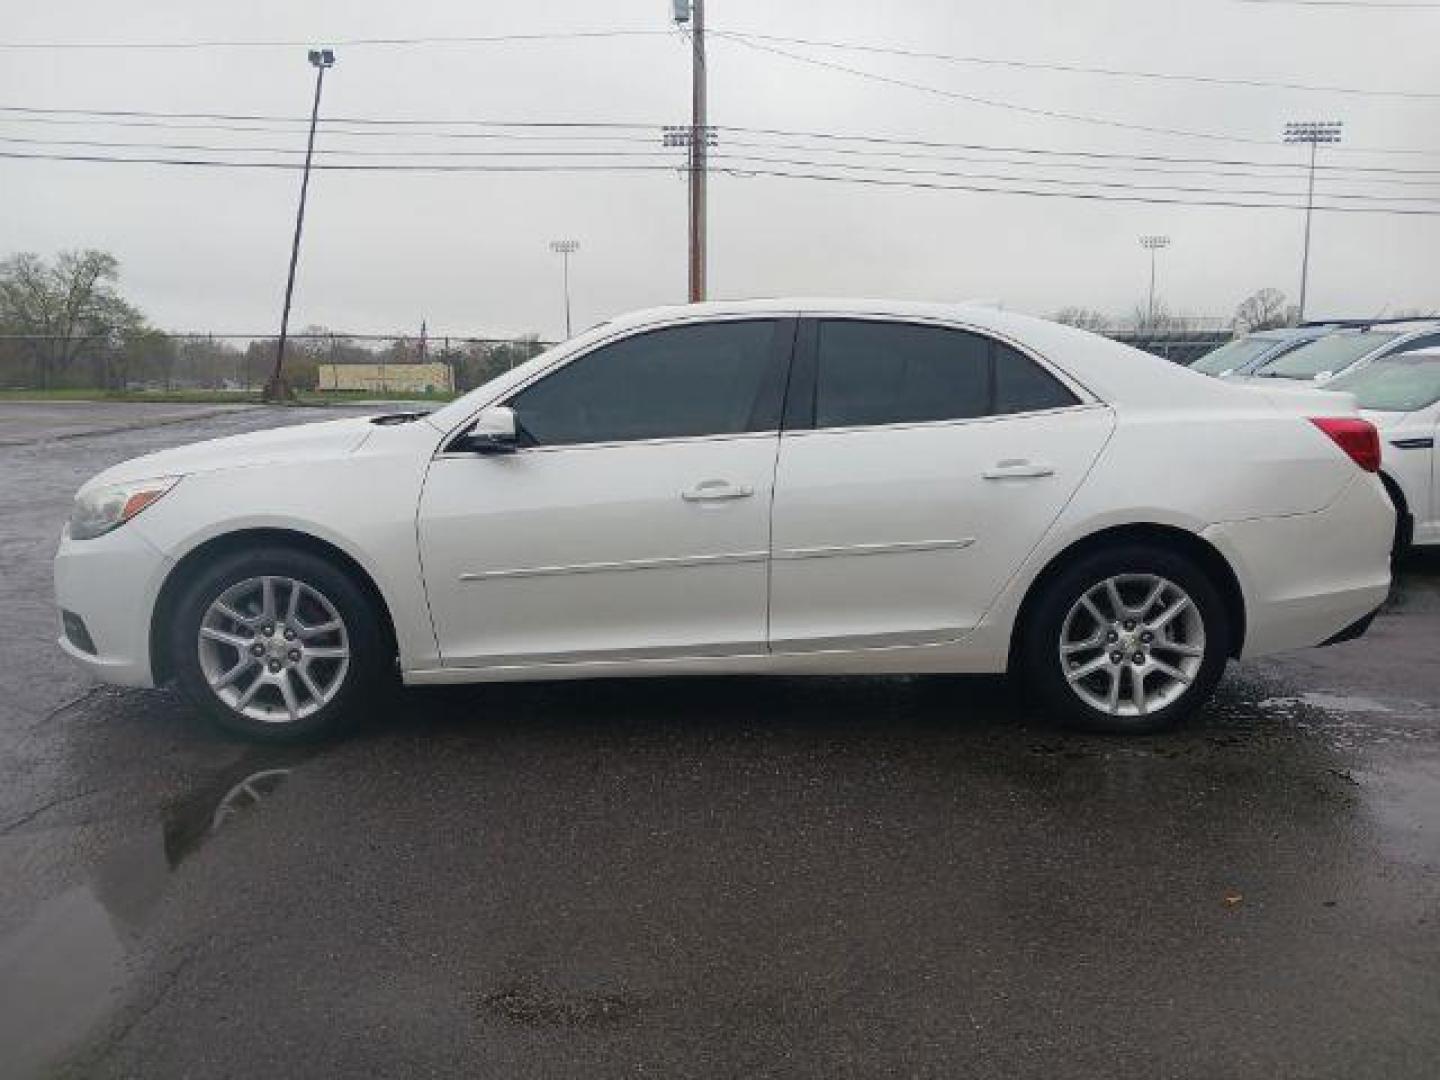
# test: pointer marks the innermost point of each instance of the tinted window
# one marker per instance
(1021, 385)
(709, 379)
(896, 373)
(892, 373)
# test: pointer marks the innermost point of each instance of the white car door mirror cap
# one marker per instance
(494, 431)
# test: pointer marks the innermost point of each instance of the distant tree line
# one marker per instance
(64, 324)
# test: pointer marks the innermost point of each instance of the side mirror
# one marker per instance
(492, 433)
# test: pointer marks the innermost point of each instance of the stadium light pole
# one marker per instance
(566, 248)
(276, 388)
(1313, 132)
(1153, 244)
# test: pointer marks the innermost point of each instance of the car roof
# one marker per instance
(1431, 353)
(1290, 333)
(1110, 370)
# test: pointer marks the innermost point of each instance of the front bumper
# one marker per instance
(110, 585)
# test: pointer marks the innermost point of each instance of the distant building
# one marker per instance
(429, 378)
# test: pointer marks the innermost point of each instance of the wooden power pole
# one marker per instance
(699, 147)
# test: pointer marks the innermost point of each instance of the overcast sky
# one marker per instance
(207, 248)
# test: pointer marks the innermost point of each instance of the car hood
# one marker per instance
(298, 442)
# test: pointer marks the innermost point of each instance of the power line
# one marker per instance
(386, 126)
(589, 142)
(1076, 69)
(1050, 152)
(337, 152)
(368, 120)
(212, 148)
(1084, 196)
(600, 35)
(1031, 110)
(330, 129)
(478, 39)
(1115, 184)
(732, 171)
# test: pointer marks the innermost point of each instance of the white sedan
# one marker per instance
(766, 486)
(1401, 396)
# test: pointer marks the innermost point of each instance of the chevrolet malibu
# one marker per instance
(767, 486)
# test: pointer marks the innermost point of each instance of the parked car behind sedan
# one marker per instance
(1401, 396)
(1350, 349)
(766, 486)
(1246, 354)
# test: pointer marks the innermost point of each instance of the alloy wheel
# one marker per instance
(1132, 644)
(273, 649)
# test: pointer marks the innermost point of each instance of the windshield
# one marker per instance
(1233, 355)
(1328, 354)
(1395, 384)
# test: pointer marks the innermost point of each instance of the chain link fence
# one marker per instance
(140, 361)
(1178, 345)
(149, 361)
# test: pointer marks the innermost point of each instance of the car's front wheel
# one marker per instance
(278, 644)
(1127, 640)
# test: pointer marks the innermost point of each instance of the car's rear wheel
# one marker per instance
(278, 645)
(1126, 640)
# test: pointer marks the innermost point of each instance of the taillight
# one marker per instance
(1356, 437)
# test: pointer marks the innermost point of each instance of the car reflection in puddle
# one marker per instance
(64, 971)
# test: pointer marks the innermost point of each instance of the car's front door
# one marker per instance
(919, 466)
(632, 522)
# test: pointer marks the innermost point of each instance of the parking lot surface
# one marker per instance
(713, 877)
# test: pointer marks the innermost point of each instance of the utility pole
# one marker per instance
(1152, 244)
(1313, 132)
(566, 248)
(699, 136)
(276, 388)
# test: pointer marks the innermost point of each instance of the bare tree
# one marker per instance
(1084, 318)
(1265, 310)
(68, 310)
(1153, 319)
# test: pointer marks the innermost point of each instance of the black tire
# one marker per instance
(1039, 663)
(366, 676)
(1404, 523)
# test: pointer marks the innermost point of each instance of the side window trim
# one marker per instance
(800, 401)
(799, 412)
(768, 409)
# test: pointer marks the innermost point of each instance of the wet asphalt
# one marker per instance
(713, 877)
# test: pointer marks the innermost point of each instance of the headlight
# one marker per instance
(97, 512)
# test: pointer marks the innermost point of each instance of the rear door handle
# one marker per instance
(716, 490)
(1018, 469)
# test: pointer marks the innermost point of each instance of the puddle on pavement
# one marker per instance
(65, 970)
(1335, 703)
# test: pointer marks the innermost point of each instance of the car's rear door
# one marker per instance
(919, 465)
(634, 523)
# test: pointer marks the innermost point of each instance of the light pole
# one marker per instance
(1152, 244)
(276, 388)
(1313, 132)
(566, 248)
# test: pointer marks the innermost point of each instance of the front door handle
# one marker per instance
(1018, 469)
(715, 490)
